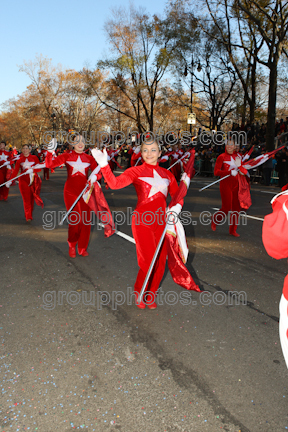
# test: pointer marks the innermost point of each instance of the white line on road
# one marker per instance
(274, 193)
(248, 216)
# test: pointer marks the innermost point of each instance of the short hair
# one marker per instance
(3, 142)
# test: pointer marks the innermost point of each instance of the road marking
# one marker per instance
(274, 193)
(120, 234)
(248, 216)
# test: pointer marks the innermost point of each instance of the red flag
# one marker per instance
(247, 154)
(185, 181)
(95, 199)
(259, 160)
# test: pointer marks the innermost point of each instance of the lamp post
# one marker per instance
(191, 71)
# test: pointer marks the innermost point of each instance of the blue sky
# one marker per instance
(51, 28)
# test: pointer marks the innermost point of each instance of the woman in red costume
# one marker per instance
(226, 164)
(30, 183)
(77, 164)
(152, 184)
(5, 170)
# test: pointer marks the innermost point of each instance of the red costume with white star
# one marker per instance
(228, 190)
(152, 184)
(5, 173)
(77, 165)
(29, 184)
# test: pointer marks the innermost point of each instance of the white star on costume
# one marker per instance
(158, 184)
(78, 166)
(231, 163)
(3, 157)
(27, 165)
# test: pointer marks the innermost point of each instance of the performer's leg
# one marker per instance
(85, 228)
(159, 267)
(146, 243)
(226, 197)
(2, 180)
(74, 225)
(234, 215)
(26, 197)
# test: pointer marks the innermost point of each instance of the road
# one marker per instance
(213, 364)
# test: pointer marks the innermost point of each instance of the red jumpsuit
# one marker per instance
(77, 166)
(152, 184)
(5, 173)
(228, 190)
(27, 192)
(45, 170)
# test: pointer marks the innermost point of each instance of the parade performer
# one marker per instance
(176, 168)
(5, 170)
(77, 164)
(152, 184)
(30, 183)
(234, 184)
(113, 154)
(43, 155)
(136, 158)
(227, 163)
(275, 240)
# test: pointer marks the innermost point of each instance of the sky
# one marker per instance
(69, 32)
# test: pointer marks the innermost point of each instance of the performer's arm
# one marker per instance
(218, 170)
(119, 182)
(113, 182)
(56, 161)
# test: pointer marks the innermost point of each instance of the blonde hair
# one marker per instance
(150, 143)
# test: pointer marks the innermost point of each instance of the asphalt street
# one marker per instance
(208, 362)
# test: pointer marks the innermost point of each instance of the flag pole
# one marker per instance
(217, 181)
(152, 264)
(5, 164)
(11, 180)
(73, 205)
(177, 161)
(95, 171)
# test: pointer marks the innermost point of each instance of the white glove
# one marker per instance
(51, 147)
(92, 178)
(175, 209)
(100, 157)
(8, 184)
(234, 172)
(5, 163)
(29, 171)
(137, 150)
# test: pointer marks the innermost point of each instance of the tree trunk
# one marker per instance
(243, 116)
(253, 92)
(271, 116)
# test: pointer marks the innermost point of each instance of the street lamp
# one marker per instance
(191, 70)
